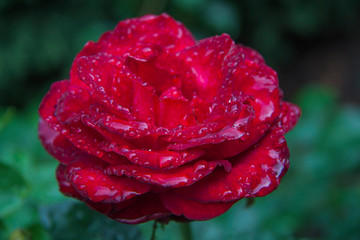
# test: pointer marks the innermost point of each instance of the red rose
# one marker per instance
(155, 125)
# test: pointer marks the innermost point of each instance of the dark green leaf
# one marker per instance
(13, 188)
(71, 220)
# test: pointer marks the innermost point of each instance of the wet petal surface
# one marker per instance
(178, 177)
(254, 173)
(193, 210)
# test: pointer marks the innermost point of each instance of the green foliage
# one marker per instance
(71, 220)
(13, 187)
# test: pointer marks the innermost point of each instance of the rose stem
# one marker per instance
(185, 229)
(153, 231)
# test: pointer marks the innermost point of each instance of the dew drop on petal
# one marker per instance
(165, 161)
(265, 182)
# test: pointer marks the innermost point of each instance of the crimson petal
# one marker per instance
(178, 177)
(65, 186)
(251, 76)
(135, 210)
(254, 173)
(105, 76)
(56, 144)
(159, 30)
(49, 103)
(96, 186)
(192, 209)
(204, 61)
(158, 159)
(290, 115)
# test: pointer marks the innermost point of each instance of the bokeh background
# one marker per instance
(314, 45)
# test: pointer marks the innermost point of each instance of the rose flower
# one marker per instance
(153, 124)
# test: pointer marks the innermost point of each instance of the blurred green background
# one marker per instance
(313, 45)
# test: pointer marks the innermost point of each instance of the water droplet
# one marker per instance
(178, 134)
(128, 194)
(101, 89)
(201, 166)
(241, 122)
(64, 131)
(274, 154)
(99, 154)
(267, 108)
(142, 126)
(91, 76)
(95, 62)
(265, 182)
(226, 194)
(166, 161)
(203, 130)
(279, 167)
(230, 133)
(132, 156)
(246, 136)
(146, 177)
(78, 130)
(177, 181)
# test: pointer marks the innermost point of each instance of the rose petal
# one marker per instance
(246, 72)
(290, 115)
(56, 144)
(191, 209)
(174, 113)
(254, 173)
(144, 102)
(49, 102)
(150, 73)
(178, 177)
(79, 135)
(96, 186)
(220, 133)
(109, 80)
(158, 159)
(203, 62)
(159, 30)
(82, 137)
(135, 210)
(65, 186)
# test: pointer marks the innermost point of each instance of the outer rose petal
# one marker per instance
(56, 144)
(48, 104)
(104, 75)
(254, 173)
(96, 186)
(178, 177)
(157, 159)
(247, 73)
(192, 209)
(156, 30)
(290, 115)
(135, 210)
(65, 186)
(159, 30)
